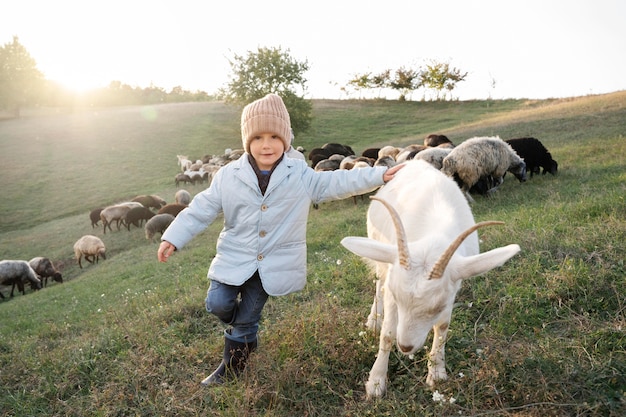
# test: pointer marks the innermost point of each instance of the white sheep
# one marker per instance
(182, 197)
(44, 268)
(16, 273)
(388, 150)
(91, 247)
(117, 213)
(157, 224)
(183, 162)
(422, 241)
(409, 152)
(482, 157)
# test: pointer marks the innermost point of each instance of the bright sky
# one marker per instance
(523, 49)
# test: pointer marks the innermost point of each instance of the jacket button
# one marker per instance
(262, 233)
(263, 207)
(259, 257)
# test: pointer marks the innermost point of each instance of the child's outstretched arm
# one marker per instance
(165, 250)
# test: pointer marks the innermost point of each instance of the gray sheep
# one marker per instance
(45, 269)
(158, 224)
(91, 247)
(16, 273)
(434, 156)
(482, 157)
(182, 197)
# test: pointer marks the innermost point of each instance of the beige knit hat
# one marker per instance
(265, 115)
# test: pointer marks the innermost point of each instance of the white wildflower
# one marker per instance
(452, 400)
(438, 397)
(338, 261)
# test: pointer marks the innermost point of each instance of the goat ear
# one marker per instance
(371, 249)
(484, 262)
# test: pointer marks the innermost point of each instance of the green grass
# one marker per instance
(541, 336)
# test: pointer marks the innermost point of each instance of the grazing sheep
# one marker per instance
(437, 140)
(172, 208)
(116, 213)
(480, 157)
(182, 178)
(45, 269)
(409, 152)
(149, 201)
(371, 153)
(338, 148)
(158, 224)
(94, 216)
(91, 247)
(534, 154)
(388, 151)
(16, 273)
(327, 165)
(386, 161)
(183, 162)
(353, 161)
(137, 215)
(327, 150)
(433, 156)
(423, 243)
(316, 155)
(182, 197)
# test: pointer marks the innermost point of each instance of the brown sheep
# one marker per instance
(172, 208)
(45, 269)
(137, 215)
(149, 201)
(94, 216)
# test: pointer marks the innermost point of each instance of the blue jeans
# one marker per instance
(239, 306)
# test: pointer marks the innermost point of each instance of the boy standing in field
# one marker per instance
(265, 198)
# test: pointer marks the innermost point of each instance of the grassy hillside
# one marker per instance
(542, 335)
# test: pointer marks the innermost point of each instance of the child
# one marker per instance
(265, 198)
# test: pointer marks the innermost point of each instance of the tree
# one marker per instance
(441, 78)
(270, 70)
(21, 82)
(405, 80)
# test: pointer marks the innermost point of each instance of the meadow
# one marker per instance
(543, 335)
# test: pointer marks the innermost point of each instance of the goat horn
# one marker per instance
(443, 261)
(404, 259)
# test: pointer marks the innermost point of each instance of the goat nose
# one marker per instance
(405, 349)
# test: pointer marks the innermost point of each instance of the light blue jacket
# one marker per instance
(265, 232)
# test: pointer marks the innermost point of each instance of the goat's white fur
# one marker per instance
(434, 212)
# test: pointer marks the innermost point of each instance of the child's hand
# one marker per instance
(165, 250)
(389, 174)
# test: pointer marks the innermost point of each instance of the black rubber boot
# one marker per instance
(233, 362)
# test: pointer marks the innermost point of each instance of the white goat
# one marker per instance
(423, 241)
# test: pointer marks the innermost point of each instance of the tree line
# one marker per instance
(23, 85)
(253, 75)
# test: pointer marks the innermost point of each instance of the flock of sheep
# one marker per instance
(478, 165)
(149, 208)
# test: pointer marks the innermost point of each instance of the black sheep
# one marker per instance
(534, 154)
